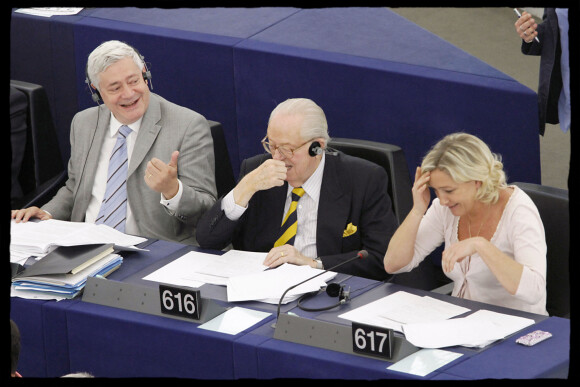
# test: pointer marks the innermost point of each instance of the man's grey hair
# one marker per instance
(106, 54)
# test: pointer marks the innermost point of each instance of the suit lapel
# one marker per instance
(333, 207)
(147, 134)
(276, 205)
(86, 176)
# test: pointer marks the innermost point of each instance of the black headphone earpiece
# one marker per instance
(96, 96)
(332, 290)
(315, 149)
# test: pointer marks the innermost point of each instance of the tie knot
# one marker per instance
(297, 193)
(125, 130)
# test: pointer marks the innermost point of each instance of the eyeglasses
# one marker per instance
(285, 152)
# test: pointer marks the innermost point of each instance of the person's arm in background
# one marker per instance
(527, 28)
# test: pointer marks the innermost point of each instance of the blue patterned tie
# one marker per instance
(113, 210)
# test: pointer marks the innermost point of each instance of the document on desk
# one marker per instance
(41, 237)
(478, 330)
(50, 11)
(235, 320)
(269, 286)
(195, 268)
(425, 361)
(401, 308)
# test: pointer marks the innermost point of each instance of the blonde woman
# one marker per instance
(495, 247)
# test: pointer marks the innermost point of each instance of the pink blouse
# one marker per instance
(519, 234)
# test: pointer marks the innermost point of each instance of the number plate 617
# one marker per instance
(371, 340)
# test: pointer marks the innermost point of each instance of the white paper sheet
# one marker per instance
(400, 308)
(40, 237)
(231, 264)
(49, 11)
(235, 320)
(268, 286)
(425, 361)
(476, 330)
(193, 269)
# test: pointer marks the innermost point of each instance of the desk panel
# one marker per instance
(27, 314)
(111, 342)
(75, 336)
(276, 358)
(375, 84)
(43, 324)
(377, 75)
(509, 360)
(41, 52)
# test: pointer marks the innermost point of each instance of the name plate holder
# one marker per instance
(335, 337)
(140, 298)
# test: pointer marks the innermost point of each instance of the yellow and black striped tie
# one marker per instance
(290, 222)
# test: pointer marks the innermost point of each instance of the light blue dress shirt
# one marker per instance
(564, 100)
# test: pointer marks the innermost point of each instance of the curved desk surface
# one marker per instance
(74, 335)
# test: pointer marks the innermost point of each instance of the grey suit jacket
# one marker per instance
(166, 127)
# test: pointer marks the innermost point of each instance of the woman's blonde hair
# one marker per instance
(466, 158)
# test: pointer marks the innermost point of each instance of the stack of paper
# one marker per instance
(195, 269)
(401, 308)
(476, 330)
(37, 238)
(269, 286)
(429, 323)
(63, 272)
(244, 274)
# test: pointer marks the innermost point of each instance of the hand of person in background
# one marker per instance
(526, 27)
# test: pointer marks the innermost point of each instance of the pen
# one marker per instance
(520, 15)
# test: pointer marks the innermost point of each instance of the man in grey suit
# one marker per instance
(170, 178)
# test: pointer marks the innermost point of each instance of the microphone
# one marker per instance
(360, 255)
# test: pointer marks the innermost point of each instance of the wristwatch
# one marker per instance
(318, 263)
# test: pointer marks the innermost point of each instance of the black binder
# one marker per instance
(68, 260)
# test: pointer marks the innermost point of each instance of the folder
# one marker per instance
(63, 286)
(68, 260)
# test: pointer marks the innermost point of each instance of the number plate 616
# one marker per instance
(177, 301)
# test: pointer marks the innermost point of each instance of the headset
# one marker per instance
(96, 95)
(316, 149)
(333, 290)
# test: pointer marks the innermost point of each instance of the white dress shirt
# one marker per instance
(100, 183)
(307, 211)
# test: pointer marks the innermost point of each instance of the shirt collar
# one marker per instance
(114, 125)
(314, 182)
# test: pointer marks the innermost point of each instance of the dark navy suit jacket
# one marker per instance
(353, 191)
(550, 83)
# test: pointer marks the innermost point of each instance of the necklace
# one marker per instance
(482, 223)
(467, 261)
